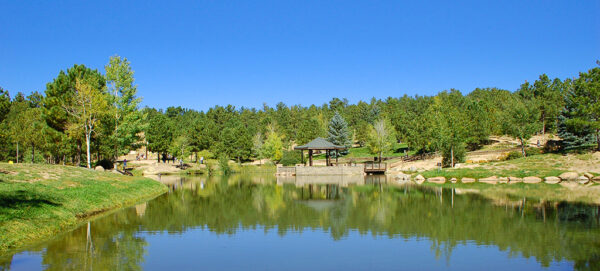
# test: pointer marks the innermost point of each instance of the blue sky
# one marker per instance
(202, 53)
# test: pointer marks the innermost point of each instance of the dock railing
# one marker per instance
(371, 166)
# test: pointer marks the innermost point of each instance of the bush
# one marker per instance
(553, 146)
(514, 155)
(290, 158)
(224, 165)
(210, 167)
(105, 163)
(533, 151)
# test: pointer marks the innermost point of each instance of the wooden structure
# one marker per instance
(375, 167)
(322, 145)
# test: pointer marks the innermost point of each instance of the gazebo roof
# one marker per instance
(320, 143)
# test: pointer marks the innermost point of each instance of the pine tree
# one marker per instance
(579, 123)
(339, 133)
(574, 136)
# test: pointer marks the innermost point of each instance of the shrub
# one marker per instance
(533, 151)
(290, 158)
(210, 167)
(224, 165)
(553, 146)
(514, 155)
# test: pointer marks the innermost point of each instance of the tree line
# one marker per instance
(85, 115)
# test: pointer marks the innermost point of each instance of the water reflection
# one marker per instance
(444, 218)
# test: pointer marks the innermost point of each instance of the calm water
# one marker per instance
(260, 223)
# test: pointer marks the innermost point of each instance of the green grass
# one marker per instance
(40, 201)
(543, 165)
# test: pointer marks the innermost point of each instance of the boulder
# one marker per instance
(99, 168)
(583, 180)
(438, 180)
(569, 176)
(467, 180)
(453, 180)
(419, 179)
(596, 179)
(552, 180)
(514, 180)
(503, 180)
(489, 180)
(532, 179)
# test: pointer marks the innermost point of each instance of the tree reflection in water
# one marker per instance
(446, 218)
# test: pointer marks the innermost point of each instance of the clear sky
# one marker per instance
(201, 53)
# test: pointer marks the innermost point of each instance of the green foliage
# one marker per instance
(338, 132)
(128, 120)
(4, 104)
(290, 158)
(159, 132)
(523, 121)
(224, 165)
(514, 155)
(580, 122)
(273, 146)
(309, 129)
(453, 154)
(382, 137)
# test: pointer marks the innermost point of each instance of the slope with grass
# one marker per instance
(39, 201)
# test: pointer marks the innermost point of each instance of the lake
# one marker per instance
(258, 222)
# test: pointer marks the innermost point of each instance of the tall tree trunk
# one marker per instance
(544, 123)
(17, 152)
(87, 145)
(78, 153)
(598, 138)
(32, 153)
(522, 146)
(452, 156)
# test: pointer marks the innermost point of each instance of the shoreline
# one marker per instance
(36, 209)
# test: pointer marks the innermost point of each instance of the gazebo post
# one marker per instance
(302, 156)
(310, 157)
(336, 156)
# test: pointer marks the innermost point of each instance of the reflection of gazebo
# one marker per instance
(320, 144)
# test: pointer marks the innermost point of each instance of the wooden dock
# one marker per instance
(375, 167)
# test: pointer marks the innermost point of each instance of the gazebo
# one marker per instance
(322, 145)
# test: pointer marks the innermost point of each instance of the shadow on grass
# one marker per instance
(25, 199)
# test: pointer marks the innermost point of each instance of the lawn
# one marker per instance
(39, 201)
(542, 165)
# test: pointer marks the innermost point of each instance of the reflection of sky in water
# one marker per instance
(310, 226)
(316, 250)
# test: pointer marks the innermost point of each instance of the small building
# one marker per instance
(320, 144)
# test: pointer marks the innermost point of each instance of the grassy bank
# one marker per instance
(543, 165)
(39, 201)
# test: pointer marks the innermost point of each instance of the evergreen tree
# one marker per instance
(4, 104)
(579, 124)
(339, 133)
(159, 133)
